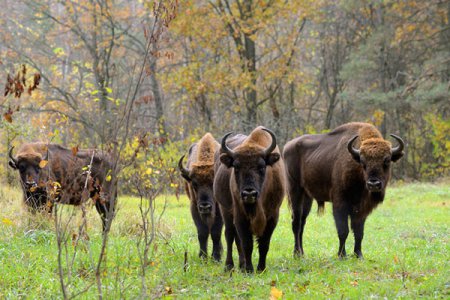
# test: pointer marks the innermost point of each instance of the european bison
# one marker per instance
(350, 166)
(249, 186)
(199, 176)
(51, 173)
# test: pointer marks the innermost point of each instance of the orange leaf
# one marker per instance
(354, 283)
(275, 293)
(43, 163)
(8, 116)
(396, 259)
(75, 150)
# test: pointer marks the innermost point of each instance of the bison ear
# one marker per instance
(226, 159)
(12, 165)
(272, 158)
(397, 156)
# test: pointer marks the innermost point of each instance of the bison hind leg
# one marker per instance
(300, 211)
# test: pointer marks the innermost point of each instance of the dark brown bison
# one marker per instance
(50, 173)
(249, 186)
(349, 166)
(199, 176)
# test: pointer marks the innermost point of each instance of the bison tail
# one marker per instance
(321, 208)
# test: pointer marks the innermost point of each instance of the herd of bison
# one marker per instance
(239, 182)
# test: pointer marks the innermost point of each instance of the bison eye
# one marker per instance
(21, 168)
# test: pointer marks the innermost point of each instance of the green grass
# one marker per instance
(406, 250)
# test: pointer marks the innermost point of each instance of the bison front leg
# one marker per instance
(358, 230)
(340, 214)
(264, 243)
(202, 235)
(102, 211)
(230, 233)
(246, 237)
(216, 235)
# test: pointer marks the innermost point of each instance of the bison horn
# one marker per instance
(183, 170)
(11, 156)
(274, 142)
(353, 151)
(397, 150)
(225, 148)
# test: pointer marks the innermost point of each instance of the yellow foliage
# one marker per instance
(7, 221)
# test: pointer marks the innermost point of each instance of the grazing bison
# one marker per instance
(199, 176)
(249, 186)
(349, 166)
(51, 173)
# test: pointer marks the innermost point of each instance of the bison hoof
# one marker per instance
(248, 269)
(216, 257)
(298, 253)
(359, 255)
(202, 255)
(229, 267)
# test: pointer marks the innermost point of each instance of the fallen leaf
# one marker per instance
(275, 293)
(8, 117)
(354, 283)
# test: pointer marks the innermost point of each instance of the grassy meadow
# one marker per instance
(406, 250)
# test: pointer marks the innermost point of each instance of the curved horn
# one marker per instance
(183, 170)
(400, 147)
(353, 151)
(11, 156)
(225, 148)
(274, 142)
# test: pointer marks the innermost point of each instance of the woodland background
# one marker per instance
(110, 72)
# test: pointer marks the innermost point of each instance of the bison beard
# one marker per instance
(249, 186)
(329, 167)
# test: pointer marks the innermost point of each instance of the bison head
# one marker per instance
(249, 165)
(201, 178)
(29, 166)
(375, 156)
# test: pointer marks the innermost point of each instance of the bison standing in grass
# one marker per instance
(199, 176)
(249, 186)
(349, 166)
(50, 173)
